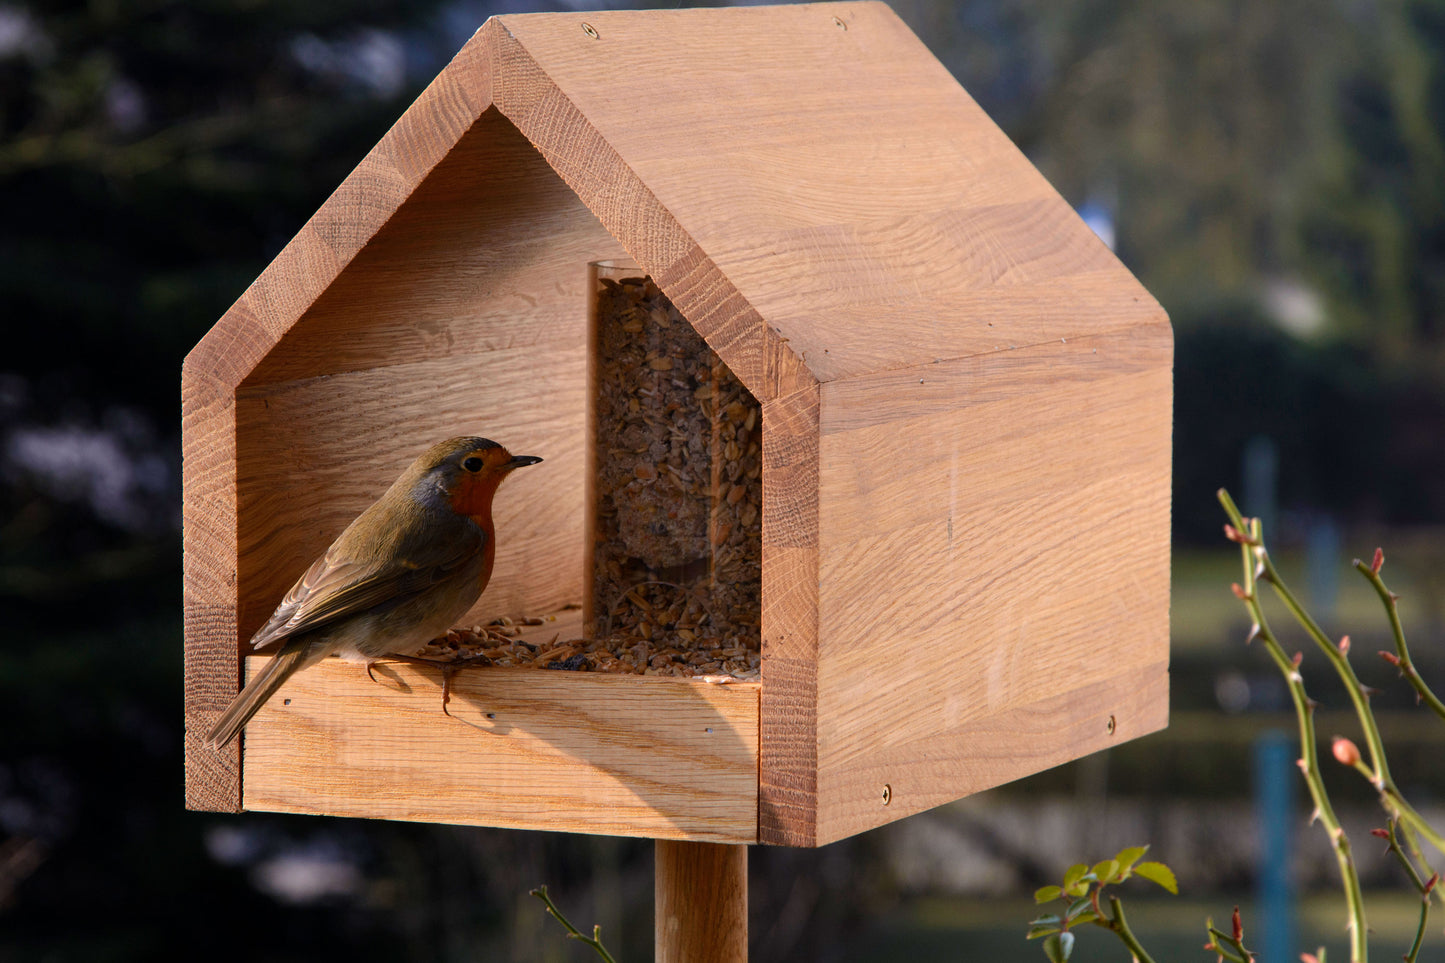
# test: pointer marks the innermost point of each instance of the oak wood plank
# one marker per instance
(998, 373)
(208, 517)
(524, 748)
(998, 532)
(936, 767)
(789, 720)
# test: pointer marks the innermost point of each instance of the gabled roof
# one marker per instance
(809, 185)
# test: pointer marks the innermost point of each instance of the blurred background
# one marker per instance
(1273, 172)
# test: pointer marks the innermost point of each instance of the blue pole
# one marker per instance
(1261, 482)
(1274, 777)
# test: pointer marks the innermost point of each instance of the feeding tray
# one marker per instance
(963, 439)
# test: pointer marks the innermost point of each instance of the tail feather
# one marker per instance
(257, 691)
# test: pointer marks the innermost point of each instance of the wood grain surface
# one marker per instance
(994, 537)
(524, 748)
(700, 898)
(787, 793)
(208, 587)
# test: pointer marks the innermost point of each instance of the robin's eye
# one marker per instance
(472, 464)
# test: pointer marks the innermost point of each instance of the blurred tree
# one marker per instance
(1374, 236)
(1191, 121)
(154, 155)
(1236, 143)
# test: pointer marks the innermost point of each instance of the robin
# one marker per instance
(400, 575)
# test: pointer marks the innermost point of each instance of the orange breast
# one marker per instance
(473, 496)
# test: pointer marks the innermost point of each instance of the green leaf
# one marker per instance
(1158, 873)
(1107, 870)
(1047, 894)
(1059, 947)
(1128, 857)
(1088, 916)
(1043, 926)
(1076, 907)
(1073, 874)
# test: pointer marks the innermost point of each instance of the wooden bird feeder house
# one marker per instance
(962, 437)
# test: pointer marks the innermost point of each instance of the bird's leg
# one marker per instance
(448, 669)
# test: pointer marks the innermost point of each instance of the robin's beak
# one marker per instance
(521, 461)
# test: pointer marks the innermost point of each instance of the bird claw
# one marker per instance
(448, 670)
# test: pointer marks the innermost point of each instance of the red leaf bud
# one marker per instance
(1238, 591)
(1379, 561)
(1382, 833)
(1344, 645)
(1391, 658)
(1346, 752)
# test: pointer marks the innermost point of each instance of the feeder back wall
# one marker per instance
(966, 413)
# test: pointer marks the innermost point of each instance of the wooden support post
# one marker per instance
(701, 902)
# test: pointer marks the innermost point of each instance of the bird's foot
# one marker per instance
(449, 668)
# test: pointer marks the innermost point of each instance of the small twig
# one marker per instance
(1119, 926)
(1423, 886)
(1256, 565)
(1401, 658)
(1260, 567)
(1232, 948)
(594, 941)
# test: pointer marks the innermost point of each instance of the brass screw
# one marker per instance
(590, 30)
(887, 794)
(1112, 725)
(839, 24)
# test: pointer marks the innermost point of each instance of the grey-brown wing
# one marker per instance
(334, 588)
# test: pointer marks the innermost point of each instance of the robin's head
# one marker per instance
(467, 471)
